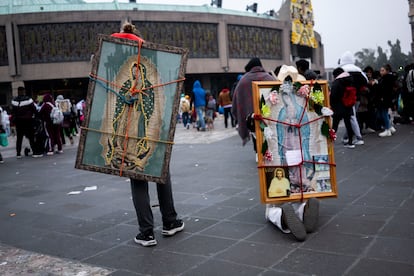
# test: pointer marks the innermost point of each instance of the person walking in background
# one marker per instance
(360, 81)
(341, 81)
(242, 105)
(210, 111)
(185, 109)
(303, 68)
(199, 100)
(233, 88)
(52, 130)
(66, 107)
(384, 99)
(23, 113)
(139, 188)
(225, 101)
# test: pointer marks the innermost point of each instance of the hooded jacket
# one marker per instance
(199, 95)
(337, 92)
(347, 62)
(46, 109)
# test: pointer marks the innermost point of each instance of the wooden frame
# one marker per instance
(132, 104)
(293, 141)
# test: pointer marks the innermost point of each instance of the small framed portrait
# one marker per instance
(293, 140)
(278, 182)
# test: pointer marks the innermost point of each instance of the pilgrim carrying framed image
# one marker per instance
(132, 103)
(294, 140)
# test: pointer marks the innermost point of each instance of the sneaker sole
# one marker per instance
(311, 215)
(293, 223)
(172, 232)
(145, 243)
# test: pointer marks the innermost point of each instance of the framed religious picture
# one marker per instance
(131, 106)
(294, 140)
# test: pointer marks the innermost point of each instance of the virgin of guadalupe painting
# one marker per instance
(133, 98)
(293, 134)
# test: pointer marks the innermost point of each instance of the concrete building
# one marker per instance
(46, 45)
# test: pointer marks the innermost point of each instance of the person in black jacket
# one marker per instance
(23, 113)
(384, 99)
(342, 80)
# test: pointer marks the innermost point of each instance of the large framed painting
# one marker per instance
(294, 140)
(131, 106)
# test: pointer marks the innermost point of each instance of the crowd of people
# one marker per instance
(46, 123)
(381, 100)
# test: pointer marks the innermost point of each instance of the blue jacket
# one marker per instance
(199, 94)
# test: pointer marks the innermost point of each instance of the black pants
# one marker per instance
(141, 200)
(347, 120)
(24, 128)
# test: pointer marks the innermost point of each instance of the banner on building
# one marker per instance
(302, 23)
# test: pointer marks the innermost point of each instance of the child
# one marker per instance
(210, 112)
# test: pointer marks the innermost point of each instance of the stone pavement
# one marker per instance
(368, 230)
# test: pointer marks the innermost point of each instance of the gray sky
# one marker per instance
(343, 24)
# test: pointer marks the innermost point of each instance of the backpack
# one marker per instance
(349, 98)
(410, 81)
(56, 115)
(185, 107)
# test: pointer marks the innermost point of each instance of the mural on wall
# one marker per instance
(250, 41)
(65, 42)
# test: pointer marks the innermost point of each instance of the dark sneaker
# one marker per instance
(145, 240)
(26, 151)
(19, 156)
(1, 159)
(292, 222)
(173, 228)
(311, 215)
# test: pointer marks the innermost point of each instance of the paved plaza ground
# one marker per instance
(367, 230)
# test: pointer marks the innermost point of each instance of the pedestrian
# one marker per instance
(199, 100)
(3, 133)
(384, 99)
(23, 113)
(340, 111)
(66, 107)
(210, 112)
(225, 102)
(303, 68)
(53, 131)
(242, 105)
(139, 188)
(360, 81)
(185, 109)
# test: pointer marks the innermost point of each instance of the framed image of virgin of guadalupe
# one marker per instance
(132, 103)
(294, 140)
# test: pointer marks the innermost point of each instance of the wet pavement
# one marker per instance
(57, 220)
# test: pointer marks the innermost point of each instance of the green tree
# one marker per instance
(378, 58)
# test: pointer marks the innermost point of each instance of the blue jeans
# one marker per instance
(200, 117)
(383, 114)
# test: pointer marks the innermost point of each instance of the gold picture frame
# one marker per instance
(294, 140)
